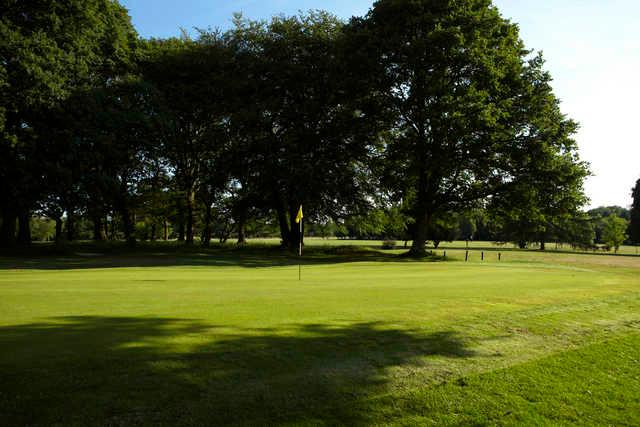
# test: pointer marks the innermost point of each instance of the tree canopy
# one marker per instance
(48, 50)
(470, 117)
(420, 121)
(614, 231)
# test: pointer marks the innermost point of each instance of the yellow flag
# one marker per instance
(300, 216)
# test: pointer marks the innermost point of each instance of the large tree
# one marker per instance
(462, 97)
(305, 141)
(48, 49)
(191, 76)
(116, 129)
(548, 189)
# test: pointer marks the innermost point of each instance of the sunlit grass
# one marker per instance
(164, 336)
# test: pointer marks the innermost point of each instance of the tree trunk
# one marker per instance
(543, 240)
(114, 228)
(153, 231)
(241, 233)
(105, 227)
(282, 222)
(190, 214)
(109, 227)
(58, 229)
(98, 228)
(206, 235)
(242, 225)
(420, 231)
(180, 224)
(181, 230)
(127, 226)
(8, 229)
(165, 230)
(24, 228)
(71, 227)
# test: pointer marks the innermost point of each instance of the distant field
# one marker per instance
(165, 336)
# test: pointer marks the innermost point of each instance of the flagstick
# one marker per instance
(300, 253)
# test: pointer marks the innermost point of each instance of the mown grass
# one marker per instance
(594, 385)
(100, 335)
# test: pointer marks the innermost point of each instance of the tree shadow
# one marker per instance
(121, 371)
(259, 256)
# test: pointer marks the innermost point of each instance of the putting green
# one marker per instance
(211, 338)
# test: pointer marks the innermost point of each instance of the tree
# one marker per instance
(116, 127)
(48, 50)
(466, 227)
(191, 77)
(443, 229)
(461, 96)
(614, 231)
(605, 211)
(546, 195)
(390, 126)
(306, 141)
(548, 187)
(43, 229)
(600, 214)
(634, 223)
(578, 231)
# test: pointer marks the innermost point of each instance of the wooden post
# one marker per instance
(482, 256)
(499, 256)
(444, 255)
(466, 256)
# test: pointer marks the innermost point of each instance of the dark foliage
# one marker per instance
(421, 121)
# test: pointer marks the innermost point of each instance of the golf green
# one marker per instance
(219, 338)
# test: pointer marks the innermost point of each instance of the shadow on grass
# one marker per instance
(125, 371)
(253, 256)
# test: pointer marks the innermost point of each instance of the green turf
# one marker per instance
(164, 336)
(474, 245)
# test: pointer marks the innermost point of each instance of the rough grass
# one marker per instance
(160, 335)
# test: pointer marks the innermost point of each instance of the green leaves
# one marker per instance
(49, 51)
(614, 232)
(423, 108)
(472, 116)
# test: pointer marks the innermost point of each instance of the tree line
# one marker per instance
(419, 113)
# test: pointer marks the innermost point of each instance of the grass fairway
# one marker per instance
(159, 337)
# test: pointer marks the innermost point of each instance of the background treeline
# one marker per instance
(422, 121)
(593, 231)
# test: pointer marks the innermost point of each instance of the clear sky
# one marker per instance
(592, 49)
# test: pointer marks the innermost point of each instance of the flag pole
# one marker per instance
(299, 218)
(300, 252)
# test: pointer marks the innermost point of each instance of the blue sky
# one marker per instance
(592, 49)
